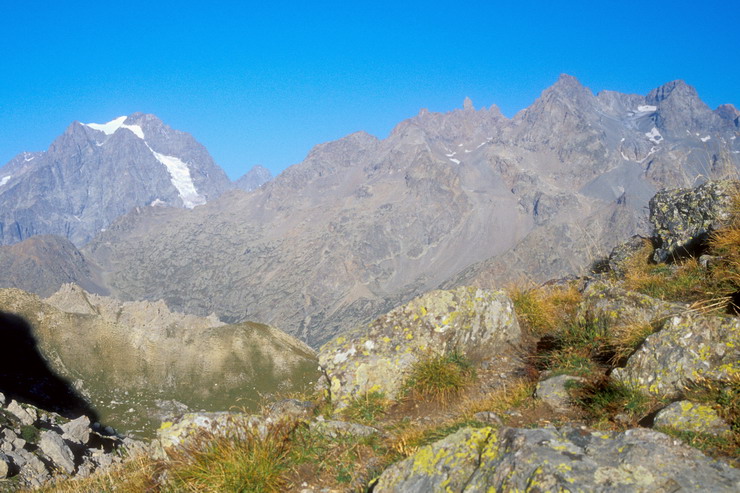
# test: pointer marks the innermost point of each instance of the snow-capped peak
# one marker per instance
(112, 126)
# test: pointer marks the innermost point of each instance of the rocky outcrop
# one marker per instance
(688, 348)
(36, 445)
(550, 459)
(138, 363)
(683, 218)
(608, 303)
(377, 358)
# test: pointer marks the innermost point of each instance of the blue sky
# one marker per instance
(261, 83)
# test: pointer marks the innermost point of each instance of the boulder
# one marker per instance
(608, 303)
(377, 358)
(57, 451)
(688, 348)
(683, 218)
(550, 459)
(26, 415)
(620, 254)
(554, 392)
(77, 430)
(693, 417)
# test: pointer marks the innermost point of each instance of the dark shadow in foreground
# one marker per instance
(26, 376)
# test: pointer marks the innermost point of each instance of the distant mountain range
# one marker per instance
(362, 225)
(94, 173)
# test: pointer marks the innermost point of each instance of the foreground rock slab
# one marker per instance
(565, 459)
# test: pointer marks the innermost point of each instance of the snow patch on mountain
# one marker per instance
(180, 178)
(707, 138)
(112, 126)
(654, 136)
(4, 180)
(646, 108)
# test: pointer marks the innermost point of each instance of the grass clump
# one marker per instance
(239, 459)
(603, 399)
(725, 243)
(685, 281)
(580, 347)
(136, 474)
(511, 395)
(722, 395)
(544, 309)
(439, 377)
(367, 408)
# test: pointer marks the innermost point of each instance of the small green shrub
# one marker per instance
(439, 377)
(30, 433)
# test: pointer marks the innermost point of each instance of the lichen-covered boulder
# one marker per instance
(607, 303)
(688, 348)
(551, 459)
(377, 358)
(622, 253)
(692, 416)
(683, 218)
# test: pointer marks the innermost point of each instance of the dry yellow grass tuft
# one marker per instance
(541, 310)
(137, 474)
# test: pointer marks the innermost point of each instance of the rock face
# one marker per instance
(510, 459)
(94, 173)
(683, 218)
(378, 357)
(137, 362)
(687, 348)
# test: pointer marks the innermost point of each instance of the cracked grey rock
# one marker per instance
(26, 416)
(77, 430)
(57, 451)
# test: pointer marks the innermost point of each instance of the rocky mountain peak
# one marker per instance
(254, 178)
(673, 89)
(468, 104)
(730, 113)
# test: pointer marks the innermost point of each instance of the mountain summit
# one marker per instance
(93, 173)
